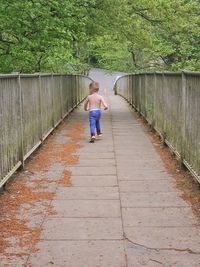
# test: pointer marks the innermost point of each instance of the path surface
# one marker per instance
(121, 207)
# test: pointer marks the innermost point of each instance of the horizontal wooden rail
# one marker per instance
(170, 102)
(31, 106)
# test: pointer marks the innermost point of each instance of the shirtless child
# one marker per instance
(93, 103)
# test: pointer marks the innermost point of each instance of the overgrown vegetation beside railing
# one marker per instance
(170, 102)
(31, 106)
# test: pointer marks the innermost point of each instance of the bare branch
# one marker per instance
(140, 12)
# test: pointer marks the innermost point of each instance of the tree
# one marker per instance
(126, 35)
(153, 35)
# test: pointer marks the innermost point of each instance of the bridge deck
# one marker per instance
(107, 204)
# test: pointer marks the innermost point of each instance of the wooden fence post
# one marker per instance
(40, 107)
(139, 95)
(136, 89)
(76, 84)
(163, 131)
(21, 121)
(128, 89)
(133, 91)
(61, 95)
(53, 102)
(154, 101)
(145, 96)
(184, 99)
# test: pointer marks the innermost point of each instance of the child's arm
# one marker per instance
(86, 104)
(104, 103)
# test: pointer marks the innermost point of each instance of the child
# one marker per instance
(93, 103)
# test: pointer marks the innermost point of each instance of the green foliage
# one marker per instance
(154, 35)
(125, 35)
(42, 35)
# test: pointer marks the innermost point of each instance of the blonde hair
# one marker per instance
(94, 87)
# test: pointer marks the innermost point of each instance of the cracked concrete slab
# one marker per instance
(96, 162)
(96, 155)
(86, 208)
(87, 193)
(180, 237)
(94, 181)
(119, 206)
(158, 217)
(101, 149)
(100, 170)
(143, 175)
(138, 256)
(123, 170)
(152, 199)
(82, 229)
(80, 254)
(147, 186)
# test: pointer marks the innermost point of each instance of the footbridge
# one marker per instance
(124, 200)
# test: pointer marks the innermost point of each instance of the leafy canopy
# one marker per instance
(126, 35)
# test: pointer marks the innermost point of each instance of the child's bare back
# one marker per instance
(95, 101)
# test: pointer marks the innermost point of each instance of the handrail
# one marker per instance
(31, 106)
(170, 103)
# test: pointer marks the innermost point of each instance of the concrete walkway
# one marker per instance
(122, 208)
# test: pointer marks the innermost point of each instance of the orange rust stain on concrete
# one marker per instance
(76, 134)
(28, 196)
(51, 154)
(65, 180)
(11, 227)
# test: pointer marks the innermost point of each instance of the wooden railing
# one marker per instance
(31, 106)
(170, 102)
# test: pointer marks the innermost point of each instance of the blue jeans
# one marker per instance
(94, 118)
